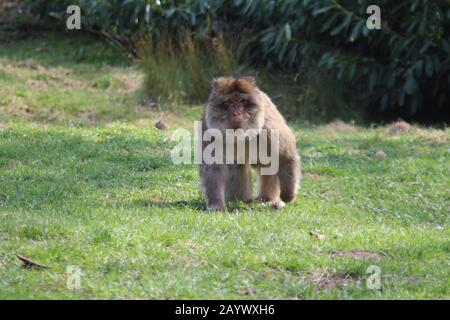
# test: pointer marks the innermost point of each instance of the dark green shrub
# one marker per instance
(404, 66)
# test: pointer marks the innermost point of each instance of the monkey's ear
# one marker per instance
(245, 84)
(249, 79)
(215, 84)
(221, 83)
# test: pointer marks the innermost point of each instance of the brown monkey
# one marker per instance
(237, 103)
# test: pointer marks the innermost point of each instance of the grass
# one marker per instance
(86, 180)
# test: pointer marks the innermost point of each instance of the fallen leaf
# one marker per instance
(317, 235)
(30, 263)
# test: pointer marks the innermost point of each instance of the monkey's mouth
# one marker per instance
(236, 124)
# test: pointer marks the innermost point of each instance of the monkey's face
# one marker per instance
(234, 104)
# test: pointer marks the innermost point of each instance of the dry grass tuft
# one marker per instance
(398, 128)
(435, 136)
(180, 67)
(339, 126)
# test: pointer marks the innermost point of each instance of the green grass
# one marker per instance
(86, 180)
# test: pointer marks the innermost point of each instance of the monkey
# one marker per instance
(237, 103)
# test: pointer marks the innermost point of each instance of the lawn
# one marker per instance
(86, 180)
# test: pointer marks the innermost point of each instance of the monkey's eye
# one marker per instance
(247, 104)
(226, 104)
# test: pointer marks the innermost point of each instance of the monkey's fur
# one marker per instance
(238, 103)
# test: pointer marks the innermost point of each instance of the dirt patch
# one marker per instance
(15, 106)
(39, 77)
(40, 86)
(326, 281)
(398, 128)
(63, 78)
(358, 255)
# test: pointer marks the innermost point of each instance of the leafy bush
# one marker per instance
(404, 66)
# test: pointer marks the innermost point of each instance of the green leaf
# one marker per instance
(429, 68)
(193, 18)
(148, 13)
(410, 85)
(356, 31)
(323, 10)
(372, 80)
(418, 68)
(401, 97)
(288, 32)
(384, 102)
(342, 26)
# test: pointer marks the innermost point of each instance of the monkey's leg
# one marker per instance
(213, 181)
(239, 182)
(269, 191)
(289, 175)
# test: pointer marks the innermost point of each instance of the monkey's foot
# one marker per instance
(216, 207)
(247, 199)
(276, 204)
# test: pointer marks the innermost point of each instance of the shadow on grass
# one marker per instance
(194, 204)
(52, 168)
